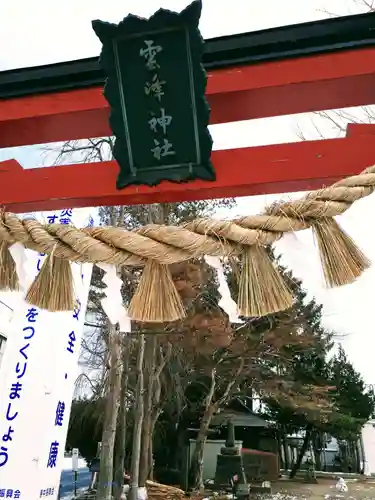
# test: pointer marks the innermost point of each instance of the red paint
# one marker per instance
(299, 85)
(356, 129)
(10, 166)
(240, 172)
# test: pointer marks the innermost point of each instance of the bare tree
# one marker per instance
(365, 5)
(122, 420)
(97, 341)
(138, 422)
(104, 491)
(337, 120)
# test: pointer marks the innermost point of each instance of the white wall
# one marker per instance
(368, 436)
(211, 451)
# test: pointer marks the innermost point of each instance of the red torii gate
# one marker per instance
(326, 65)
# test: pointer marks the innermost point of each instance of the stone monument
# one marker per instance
(229, 474)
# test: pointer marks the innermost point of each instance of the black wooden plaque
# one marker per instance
(155, 87)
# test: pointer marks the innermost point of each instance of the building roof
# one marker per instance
(240, 419)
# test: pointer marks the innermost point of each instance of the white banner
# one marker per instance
(37, 377)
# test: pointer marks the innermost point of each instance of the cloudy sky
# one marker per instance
(48, 31)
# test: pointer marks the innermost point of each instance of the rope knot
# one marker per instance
(158, 246)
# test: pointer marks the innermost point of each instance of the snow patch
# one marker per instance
(70, 496)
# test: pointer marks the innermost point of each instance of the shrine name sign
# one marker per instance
(156, 87)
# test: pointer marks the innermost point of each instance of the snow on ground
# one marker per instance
(70, 496)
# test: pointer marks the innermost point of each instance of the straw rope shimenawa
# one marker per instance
(261, 288)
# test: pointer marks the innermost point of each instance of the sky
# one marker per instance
(48, 31)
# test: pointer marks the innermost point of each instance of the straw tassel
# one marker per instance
(52, 289)
(156, 299)
(262, 289)
(342, 261)
(8, 273)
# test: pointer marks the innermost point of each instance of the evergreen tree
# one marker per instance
(308, 372)
(85, 427)
(342, 404)
(353, 404)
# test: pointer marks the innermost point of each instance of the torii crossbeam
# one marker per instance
(247, 79)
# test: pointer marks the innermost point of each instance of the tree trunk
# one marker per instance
(154, 418)
(197, 462)
(121, 429)
(357, 455)
(281, 460)
(104, 491)
(151, 454)
(286, 450)
(138, 422)
(211, 407)
(301, 453)
(147, 430)
(350, 456)
(317, 449)
(177, 447)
